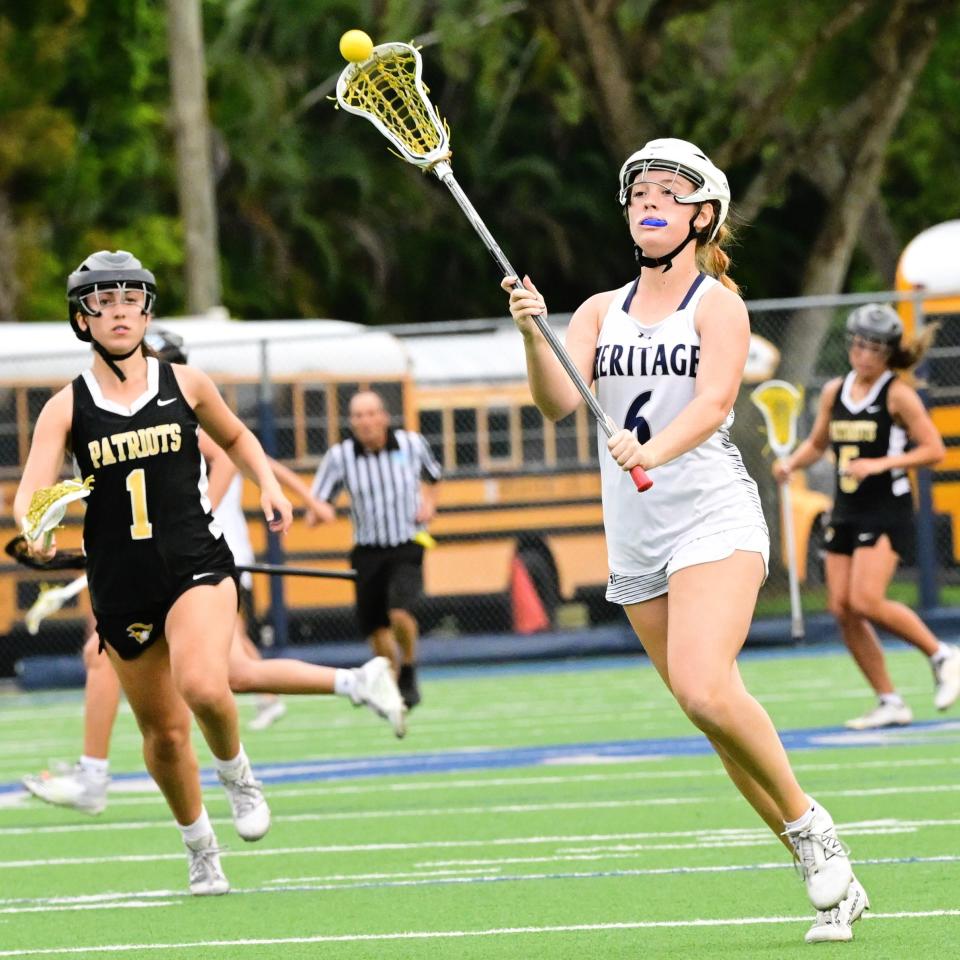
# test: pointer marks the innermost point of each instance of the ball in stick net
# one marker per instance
(355, 45)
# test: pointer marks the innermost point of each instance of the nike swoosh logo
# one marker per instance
(864, 536)
(200, 576)
(163, 403)
(874, 409)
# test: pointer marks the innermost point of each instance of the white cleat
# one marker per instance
(823, 859)
(836, 925)
(268, 713)
(207, 878)
(71, 787)
(882, 715)
(375, 687)
(251, 815)
(946, 676)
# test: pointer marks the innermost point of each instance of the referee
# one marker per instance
(391, 476)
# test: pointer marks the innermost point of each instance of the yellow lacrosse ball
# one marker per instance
(355, 45)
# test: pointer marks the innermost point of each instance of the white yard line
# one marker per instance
(414, 935)
(704, 837)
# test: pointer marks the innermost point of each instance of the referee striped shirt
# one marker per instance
(384, 486)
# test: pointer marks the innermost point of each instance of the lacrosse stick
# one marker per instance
(48, 505)
(387, 89)
(278, 570)
(779, 402)
(50, 600)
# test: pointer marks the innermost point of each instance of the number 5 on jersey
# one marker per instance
(141, 528)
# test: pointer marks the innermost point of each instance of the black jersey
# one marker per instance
(865, 428)
(148, 522)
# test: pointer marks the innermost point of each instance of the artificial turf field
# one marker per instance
(553, 811)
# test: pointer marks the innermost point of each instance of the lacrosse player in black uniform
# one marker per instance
(867, 417)
(162, 579)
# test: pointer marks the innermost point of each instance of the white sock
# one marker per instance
(344, 682)
(94, 765)
(264, 700)
(802, 821)
(197, 830)
(893, 699)
(940, 654)
(231, 769)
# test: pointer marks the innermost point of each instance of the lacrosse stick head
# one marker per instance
(388, 89)
(780, 403)
(49, 504)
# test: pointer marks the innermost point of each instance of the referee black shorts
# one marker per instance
(388, 578)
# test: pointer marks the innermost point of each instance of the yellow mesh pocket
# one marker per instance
(48, 505)
(386, 89)
(780, 403)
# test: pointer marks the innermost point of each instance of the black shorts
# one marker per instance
(388, 578)
(848, 534)
(133, 631)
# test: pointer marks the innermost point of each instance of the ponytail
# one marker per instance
(714, 260)
(907, 354)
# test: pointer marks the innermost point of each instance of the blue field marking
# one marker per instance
(941, 732)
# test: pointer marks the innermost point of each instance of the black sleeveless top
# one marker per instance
(148, 521)
(865, 429)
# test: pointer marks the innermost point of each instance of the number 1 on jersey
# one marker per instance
(141, 528)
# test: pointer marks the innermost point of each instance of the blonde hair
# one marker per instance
(713, 259)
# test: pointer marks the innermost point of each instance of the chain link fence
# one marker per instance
(519, 541)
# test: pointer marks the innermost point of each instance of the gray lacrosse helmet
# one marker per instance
(876, 321)
(106, 270)
(102, 271)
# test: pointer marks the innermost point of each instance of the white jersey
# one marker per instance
(229, 514)
(645, 376)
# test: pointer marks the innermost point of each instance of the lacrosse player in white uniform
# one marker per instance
(687, 557)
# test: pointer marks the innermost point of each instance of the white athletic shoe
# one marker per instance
(70, 787)
(251, 815)
(836, 925)
(207, 878)
(946, 676)
(823, 860)
(882, 715)
(375, 687)
(268, 713)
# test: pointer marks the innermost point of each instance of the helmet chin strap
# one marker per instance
(666, 260)
(109, 358)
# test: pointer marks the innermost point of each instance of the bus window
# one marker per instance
(591, 438)
(344, 392)
(431, 426)
(531, 432)
(392, 394)
(283, 420)
(465, 424)
(10, 453)
(566, 440)
(317, 437)
(499, 438)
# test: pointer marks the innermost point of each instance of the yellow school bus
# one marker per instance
(929, 268)
(515, 485)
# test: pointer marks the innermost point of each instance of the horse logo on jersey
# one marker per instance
(140, 632)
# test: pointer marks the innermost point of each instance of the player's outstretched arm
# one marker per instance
(45, 460)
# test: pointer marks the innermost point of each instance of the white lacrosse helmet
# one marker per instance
(686, 159)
